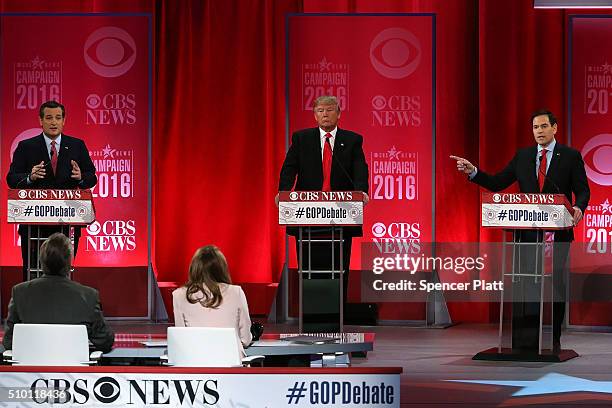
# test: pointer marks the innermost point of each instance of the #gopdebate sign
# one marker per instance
(87, 389)
(50, 207)
(320, 208)
(524, 211)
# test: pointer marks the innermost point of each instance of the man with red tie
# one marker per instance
(326, 158)
(51, 160)
(547, 167)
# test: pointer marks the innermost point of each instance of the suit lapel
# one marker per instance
(42, 146)
(340, 142)
(339, 146)
(316, 153)
(531, 169)
(553, 166)
(62, 159)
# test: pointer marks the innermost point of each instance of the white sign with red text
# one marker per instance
(320, 208)
(524, 211)
(117, 389)
(50, 207)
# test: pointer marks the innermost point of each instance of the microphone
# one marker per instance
(551, 181)
(334, 159)
(554, 185)
(22, 180)
(45, 164)
(343, 169)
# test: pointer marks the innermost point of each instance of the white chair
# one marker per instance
(50, 345)
(205, 347)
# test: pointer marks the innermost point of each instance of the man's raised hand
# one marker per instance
(463, 165)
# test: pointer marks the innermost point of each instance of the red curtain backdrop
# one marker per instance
(219, 113)
(219, 134)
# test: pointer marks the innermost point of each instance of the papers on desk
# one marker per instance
(304, 339)
(155, 343)
(270, 343)
(333, 337)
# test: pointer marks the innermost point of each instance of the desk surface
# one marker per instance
(270, 345)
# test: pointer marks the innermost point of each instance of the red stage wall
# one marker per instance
(219, 114)
(101, 75)
(393, 113)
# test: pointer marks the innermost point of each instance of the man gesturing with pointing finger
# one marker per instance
(547, 167)
(51, 160)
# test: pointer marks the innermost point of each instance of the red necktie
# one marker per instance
(542, 169)
(327, 163)
(53, 157)
(549, 237)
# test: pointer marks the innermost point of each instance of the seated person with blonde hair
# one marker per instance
(208, 298)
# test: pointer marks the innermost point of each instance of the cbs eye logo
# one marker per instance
(379, 102)
(395, 53)
(110, 52)
(107, 390)
(379, 230)
(94, 228)
(93, 101)
(597, 155)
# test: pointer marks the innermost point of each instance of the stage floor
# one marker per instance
(439, 371)
(431, 357)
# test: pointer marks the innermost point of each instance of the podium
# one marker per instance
(321, 218)
(534, 281)
(42, 209)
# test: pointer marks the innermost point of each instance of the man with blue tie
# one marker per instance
(548, 167)
(51, 160)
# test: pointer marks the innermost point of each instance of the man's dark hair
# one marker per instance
(551, 117)
(56, 255)
(51, 105)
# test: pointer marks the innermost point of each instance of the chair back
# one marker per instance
(203, 347)
(50, 345)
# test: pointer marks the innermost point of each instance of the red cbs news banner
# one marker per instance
(380, 67)
(97, 66)
(590, 82)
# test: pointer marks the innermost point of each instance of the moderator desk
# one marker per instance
(38, 386)
(321, 352)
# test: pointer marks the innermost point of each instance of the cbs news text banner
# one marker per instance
(216, 387)
(99, 69)
(381, 69)
(590, 104)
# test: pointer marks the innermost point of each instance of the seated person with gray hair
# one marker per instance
(55, 299)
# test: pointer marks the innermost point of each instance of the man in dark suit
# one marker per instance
(50, 160)
(55, 299)
(326, 158)
(547, 167)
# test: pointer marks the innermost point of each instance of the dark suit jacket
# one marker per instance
(31, 152)
(304, 161)
(56, 299)
(566, 175)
